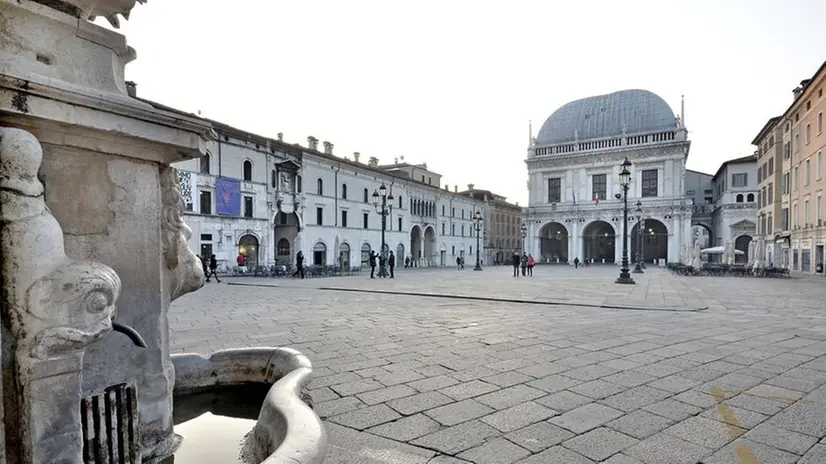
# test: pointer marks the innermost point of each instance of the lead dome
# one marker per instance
(625, 112)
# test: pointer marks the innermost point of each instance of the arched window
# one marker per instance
(274, 179)
(248, 170)
(298, 184)
(344, 191)
(739, 198)
(283, 247)
(750, 198)
(400, 201)
(366, 196)
(319, 187)
(205, 164)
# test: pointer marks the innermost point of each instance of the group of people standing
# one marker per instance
(390, 263)
(526, 262)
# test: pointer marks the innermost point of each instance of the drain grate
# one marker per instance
(110, 426)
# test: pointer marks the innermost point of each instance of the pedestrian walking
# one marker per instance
(372, 261)
(515, 261)
(299, 264)
(524, 263)
(391, 261)
(576, 262)
(406, 262)
(213, 266)
(531, 264)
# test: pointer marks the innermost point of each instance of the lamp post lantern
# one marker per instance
(477, 222)
(524, 236)
(638, 251)
(384, 207)
(625, 181)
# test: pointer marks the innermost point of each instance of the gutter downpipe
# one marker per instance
(338, 168)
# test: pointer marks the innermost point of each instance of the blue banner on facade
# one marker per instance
(228, 196)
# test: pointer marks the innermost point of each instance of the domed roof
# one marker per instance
(626, 111)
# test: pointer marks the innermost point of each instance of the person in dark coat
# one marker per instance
(515, 261)
(299, 264)
(372, 261)
(213, 266)
(576, 262)
(391, 261)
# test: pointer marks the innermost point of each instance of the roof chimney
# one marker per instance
(312, 143)
(132, 89)
(328, 148)
(356, 156)
(280, 136)
(447, 187)
(470, 187)
(373, 162)
(455, 189)
(396, 160)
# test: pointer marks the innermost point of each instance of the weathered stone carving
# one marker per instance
(187, 272)
(53, 306)
(109, 9)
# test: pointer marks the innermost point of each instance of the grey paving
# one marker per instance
(403, 378)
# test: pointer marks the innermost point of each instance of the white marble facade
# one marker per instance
(573, 167)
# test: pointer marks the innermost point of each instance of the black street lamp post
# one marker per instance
(477, 221)
(638, 251)
(625, 181)
(384, 206)
(524, 236)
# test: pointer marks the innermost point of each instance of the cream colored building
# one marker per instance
(797, 236)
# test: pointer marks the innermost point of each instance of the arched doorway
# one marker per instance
(553, 243)
(399, 254)
(654, 241)
(248, 246)
(701, 233)
(344, 255)
(598, 240)
(429, 245)
(742, 243)
(416, 244)
(365, 255)
(285, 227)
(319, 254)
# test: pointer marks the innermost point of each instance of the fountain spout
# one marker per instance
(129, 332)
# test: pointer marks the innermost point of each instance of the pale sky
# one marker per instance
(453, 83)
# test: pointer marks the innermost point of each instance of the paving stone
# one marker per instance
(476, 372)
(395, 378)
(383, 395)
(563, 401)
(673, 409)
(433, 371)
(508, 420)
(640, 424)
(808, 418)
(707, 433)
(734, 453)
(334, 379)
(635, 398)
(339, 406)
(553, 383)
(782, 439)
(507, 379)
(757, 404)
(433, 383)
(407, 428)
(320, 395)
(556, 455)
(510, 396)
(674, 383)
(442, 459)
(418, 403)
(629, 379)
(543, 369)
(620, 364)
(361, 419)
(585, 418)
(359, 386)
(696, 398)
(539, 436)
(662, 448)
(658, 369)
(588, 373)
(816, 455)
(371, 372)
(598, 389)
(347, 446)
(467, 390)
(742, 418)
(599, 444)
(622, 459)
(459, 412)
(458, 438)
(496, 451)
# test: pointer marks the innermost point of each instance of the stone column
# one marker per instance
(423, 259)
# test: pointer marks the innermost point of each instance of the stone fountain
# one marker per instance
(94, 250)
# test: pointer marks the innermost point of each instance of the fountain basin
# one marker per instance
(287, 429)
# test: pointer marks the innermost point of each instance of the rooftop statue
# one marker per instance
(109, 9)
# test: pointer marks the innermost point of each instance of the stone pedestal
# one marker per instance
(104, 188)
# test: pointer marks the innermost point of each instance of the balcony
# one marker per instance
(570, 208)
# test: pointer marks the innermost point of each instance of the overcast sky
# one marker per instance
(453, 83)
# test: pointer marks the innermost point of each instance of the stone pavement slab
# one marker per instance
(400, 378)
